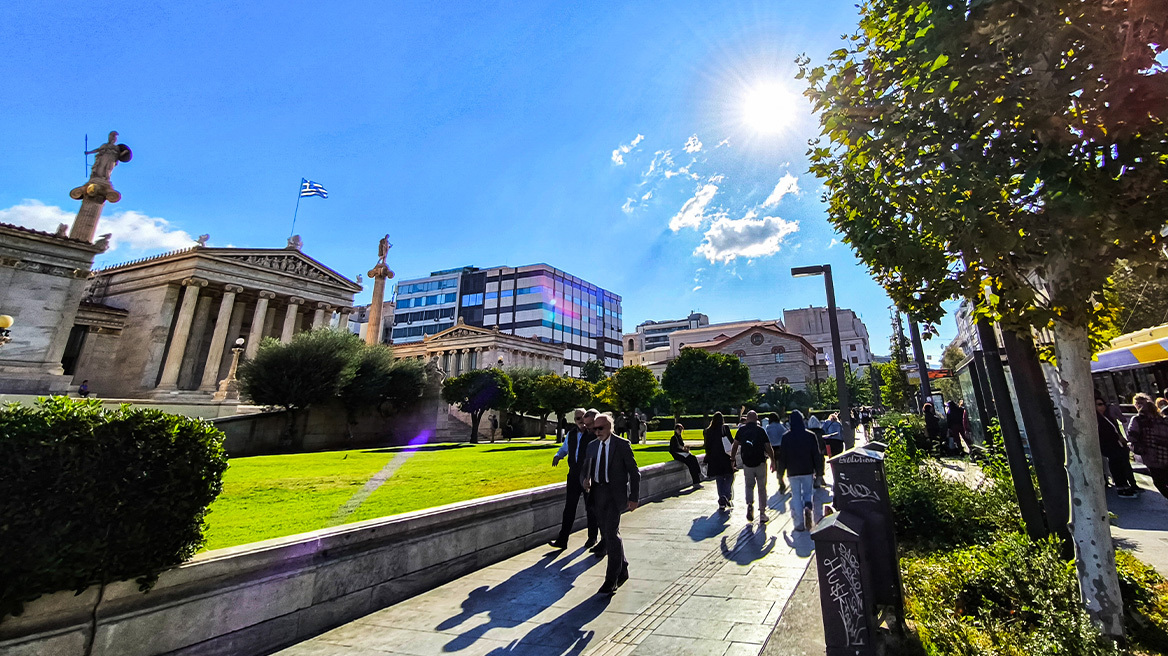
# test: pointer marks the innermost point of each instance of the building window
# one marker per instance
(851, 347)
(855, 360)
(778, 349)
(819, 350)
(756, 339)
(779, 357)
(740, 354)
(782, 380)
(631, 345)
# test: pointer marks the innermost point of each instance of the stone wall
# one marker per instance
(259, 597)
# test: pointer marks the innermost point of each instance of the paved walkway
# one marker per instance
(1141, 523)
(702, 582)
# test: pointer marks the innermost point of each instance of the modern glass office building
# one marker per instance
(537, 301)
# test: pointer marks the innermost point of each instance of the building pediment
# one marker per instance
(459, 331)
(290, 262)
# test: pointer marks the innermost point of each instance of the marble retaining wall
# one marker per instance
(256, 598)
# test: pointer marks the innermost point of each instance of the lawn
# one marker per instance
(272, 496)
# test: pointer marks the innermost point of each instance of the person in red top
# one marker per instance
(1148, 432)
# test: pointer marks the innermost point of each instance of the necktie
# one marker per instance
(602, 468)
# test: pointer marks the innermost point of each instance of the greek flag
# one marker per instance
(310, 188)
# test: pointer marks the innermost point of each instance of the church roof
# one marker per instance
(768, 326)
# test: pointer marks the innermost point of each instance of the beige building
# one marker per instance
(814, 325)
(164, 326)
(461, 348)
(773, 355)
(656, 353)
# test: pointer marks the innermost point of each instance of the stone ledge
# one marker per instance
(255, 598)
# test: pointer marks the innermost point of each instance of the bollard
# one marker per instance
(860, 487)
(844, 585)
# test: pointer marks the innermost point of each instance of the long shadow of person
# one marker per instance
(750, 545)
(704, 528)
(522, 596)
(566, 633)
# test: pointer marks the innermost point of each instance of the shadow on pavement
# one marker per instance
(518, 599)
(704, 528)
(750, 546)
(565, 633)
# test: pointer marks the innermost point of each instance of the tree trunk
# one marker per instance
(1046, 442)
(1090, 529)
(560, 427)
(543, 425)
(474, 426)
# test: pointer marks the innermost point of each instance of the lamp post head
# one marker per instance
(813, 270)
(6, 321)
(240, 342)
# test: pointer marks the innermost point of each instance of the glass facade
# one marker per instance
(425, 306)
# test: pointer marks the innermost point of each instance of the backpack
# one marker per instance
(753, 445)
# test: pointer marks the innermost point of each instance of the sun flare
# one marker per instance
(768, 107)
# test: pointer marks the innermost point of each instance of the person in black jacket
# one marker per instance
(680, 452)
(801, 453)
(574, 447)
(1115, 449)
(719, 466)
(932, 427)
(610, 474)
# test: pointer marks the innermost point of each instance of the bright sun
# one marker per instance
(768, 107)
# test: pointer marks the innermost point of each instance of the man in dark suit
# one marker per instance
(574, 449)
(610, 473)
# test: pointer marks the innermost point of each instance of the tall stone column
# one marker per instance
(318, 318)
(98, 190)
(343, 321)
(290, 319)
(257, 323)
(182, 331)
(218, 339)
(380, 274)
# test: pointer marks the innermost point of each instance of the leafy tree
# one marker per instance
(633, 387)
(949, 387)
(603, 398)
(523, 383)
(593, 371)
(313, 368)
(477, 391)
(382, 383)
(1008, 152)
(859, 390)
(781, 398)
(702, 381)
(1140, 296)
(561, 395)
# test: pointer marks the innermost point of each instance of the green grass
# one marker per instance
(273, 496)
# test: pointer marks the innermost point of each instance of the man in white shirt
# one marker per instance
(574, 448)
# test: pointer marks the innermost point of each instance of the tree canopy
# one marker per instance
(632, 387)
(702, 381)
(592, 371)
(477, 391)
(561, 394)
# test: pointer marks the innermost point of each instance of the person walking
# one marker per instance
(751, 440)
(955, 422)
(833, 435)
(815, 427)
(494, 427)
(1148, 432)
(1115, 449)
(775, 431)
(680, 453)
(574, 447)
(801, 451)
(932, 427)
(611, 475)
(719, 466)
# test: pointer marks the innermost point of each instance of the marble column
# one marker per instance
(343, 322)
(257, 323)
(186, 372)
(182, 331)
(290, 319)
(219, 339)
(318, 318)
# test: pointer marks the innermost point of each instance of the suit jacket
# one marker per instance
(583, 438)
(622, 466)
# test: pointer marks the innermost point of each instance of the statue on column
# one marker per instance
(383, 247)
(98, 190)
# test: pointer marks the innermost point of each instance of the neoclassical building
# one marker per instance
(461, 348)
(164, 326)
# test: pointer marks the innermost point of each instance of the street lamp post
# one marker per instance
(837, 351)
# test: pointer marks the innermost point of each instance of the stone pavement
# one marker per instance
(701, 582)
(1141, 522)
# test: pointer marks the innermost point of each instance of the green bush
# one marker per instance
(91, 496)
(1145, 602)
(1011, 597)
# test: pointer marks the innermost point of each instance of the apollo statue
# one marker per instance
(383, 247)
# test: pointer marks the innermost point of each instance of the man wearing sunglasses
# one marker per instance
(574, 447)
(610, 473)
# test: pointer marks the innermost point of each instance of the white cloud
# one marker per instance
(788, 184)
(696, 288)
(724, 142)
(692, 145)
(627, 208)
(717, 179)
(618, 155)
(748, 237)
(834, 242)
(693, 213)
(648, 195)
(132, 231)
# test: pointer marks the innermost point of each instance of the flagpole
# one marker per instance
(297, 210)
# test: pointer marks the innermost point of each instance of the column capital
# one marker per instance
(194, 282)
(266, 294)
(234, 289)
(324, 306)
(345, 310)
(295, 300)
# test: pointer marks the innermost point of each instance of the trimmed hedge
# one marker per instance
(90, 496)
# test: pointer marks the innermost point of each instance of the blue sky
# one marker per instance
(473, 133)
